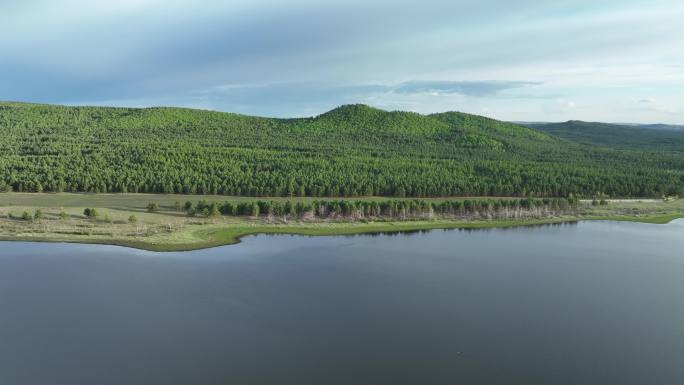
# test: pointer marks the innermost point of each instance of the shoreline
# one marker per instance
(224, 235)
(61, 217)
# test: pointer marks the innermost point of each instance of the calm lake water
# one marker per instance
(587, 303)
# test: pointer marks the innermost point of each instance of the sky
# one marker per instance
(523, 60)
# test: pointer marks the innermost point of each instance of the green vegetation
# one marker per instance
(388, 209)
(90, 213)
(351, 151)
(352, 170)
(130, 223)
(616, 136)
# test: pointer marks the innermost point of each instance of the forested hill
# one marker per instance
(350, 151)
(645, 137)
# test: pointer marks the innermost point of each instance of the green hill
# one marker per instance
(644, 137)
(350, 151)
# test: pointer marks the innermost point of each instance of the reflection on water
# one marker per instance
(566, 303)
(424, 231)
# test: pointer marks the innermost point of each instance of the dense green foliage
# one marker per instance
(350, 151)
(390, 208)
(617, 136)
(90, 212)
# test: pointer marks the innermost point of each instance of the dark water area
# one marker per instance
(585, 303)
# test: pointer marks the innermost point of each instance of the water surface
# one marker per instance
(587, 303)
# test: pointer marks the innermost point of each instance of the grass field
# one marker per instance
(168, 229)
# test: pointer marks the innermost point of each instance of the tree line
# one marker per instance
(390, 208)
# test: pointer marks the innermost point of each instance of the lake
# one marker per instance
(585, 303)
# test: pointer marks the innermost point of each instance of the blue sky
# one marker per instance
(618, 61)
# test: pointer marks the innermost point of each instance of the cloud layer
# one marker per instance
(523, 60)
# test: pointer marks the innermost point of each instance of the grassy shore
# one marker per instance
(170, 230)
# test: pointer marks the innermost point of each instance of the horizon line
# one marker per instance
(518, 122)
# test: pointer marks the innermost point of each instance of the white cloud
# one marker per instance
(588, 60)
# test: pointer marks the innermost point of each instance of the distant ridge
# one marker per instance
(654, 126)
(640, 136)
